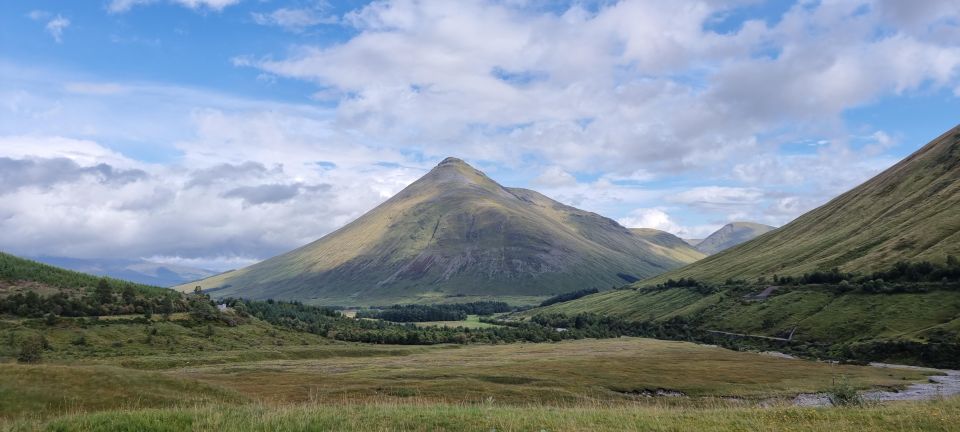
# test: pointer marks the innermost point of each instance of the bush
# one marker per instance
(31, 351)
(842, 393)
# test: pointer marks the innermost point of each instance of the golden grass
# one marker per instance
(562, 373)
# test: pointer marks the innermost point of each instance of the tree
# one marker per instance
(129, 295)
(104, 294)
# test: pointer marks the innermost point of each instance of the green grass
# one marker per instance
(49, 390)
(931, 416)
(72, 339)
(472, 321)
(818, 313)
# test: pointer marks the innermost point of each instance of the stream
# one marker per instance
(936, 387)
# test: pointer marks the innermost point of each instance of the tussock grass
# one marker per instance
(929, 416)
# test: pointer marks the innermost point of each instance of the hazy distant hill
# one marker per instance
(139, 271)
(730, 235)
(451, 235)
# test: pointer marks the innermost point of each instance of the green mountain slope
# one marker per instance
(730, 235)
(455, 233)
(909, 212)
(19, 275)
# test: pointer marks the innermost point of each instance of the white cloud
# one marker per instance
(120, 6)
(56, 27)
(294, 19)
(657, 218)
(554, 177)
(38, 15)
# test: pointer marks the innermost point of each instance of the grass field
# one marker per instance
(472, 321)
(930, 416)
(559, 374)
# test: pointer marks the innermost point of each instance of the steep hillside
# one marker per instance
(909, 212)
(452, 234)
(19, 275)
(730, 235)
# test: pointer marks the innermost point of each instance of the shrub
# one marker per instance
(31, 351)
(842, 393)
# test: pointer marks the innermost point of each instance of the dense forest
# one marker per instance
(565, 297)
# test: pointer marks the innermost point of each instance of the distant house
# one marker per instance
(222, 307)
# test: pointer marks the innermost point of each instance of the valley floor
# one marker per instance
(611, 384)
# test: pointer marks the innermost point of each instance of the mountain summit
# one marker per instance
(731, 235)
(453, 235)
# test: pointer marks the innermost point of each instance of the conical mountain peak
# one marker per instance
(452, 160)
(455, 233)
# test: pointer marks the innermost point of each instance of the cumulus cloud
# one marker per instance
(554, 177)
(632, 83)
(263, 194)
(657, 218)
(18, 173)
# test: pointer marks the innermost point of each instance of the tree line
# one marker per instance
(441, 312)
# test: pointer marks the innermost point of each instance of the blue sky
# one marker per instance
(220, 132)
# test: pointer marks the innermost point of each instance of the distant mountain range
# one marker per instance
(455, 235)
(730, 235)
(139, 271)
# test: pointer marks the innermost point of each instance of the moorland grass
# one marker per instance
(927, 416)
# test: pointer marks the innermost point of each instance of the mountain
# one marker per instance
(909, 212)
(693, 241)
(452, 236)
(139, 271)
(731, 235)
(671, 244)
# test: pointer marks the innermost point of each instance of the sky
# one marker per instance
(216, 133)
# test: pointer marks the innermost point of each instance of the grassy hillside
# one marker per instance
(455, 233)
(730, 235)
(818, 313)
(908, 212)
(23, 275)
